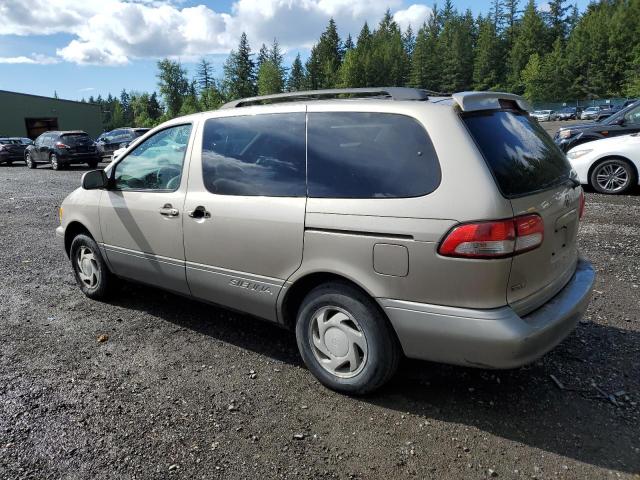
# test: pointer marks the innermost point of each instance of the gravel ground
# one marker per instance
(184, 390)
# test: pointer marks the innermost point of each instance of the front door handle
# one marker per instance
(199, 212)
(169, 211)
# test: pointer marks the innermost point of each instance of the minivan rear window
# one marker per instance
(520, 154)
(369, 155)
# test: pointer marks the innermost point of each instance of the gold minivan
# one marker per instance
(375, 223)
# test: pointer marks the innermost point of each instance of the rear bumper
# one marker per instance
(495, 338)
(79, 158)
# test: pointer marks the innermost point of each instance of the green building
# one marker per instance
(24, 115)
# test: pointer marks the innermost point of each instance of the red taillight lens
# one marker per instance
(501, 238)
(581, 211)
(61, 145)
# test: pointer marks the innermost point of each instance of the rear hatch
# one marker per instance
(14, 147)
(536, 177)
(78, 142)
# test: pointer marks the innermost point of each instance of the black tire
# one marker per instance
(55, 163)
(613, 165)
(29, 162)
(102, 286)
(93, 164)
(383, 350)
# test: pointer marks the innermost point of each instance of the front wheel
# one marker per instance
(345, 340)
(29, 161)
(613, 176)
(91, 272)
(93, 164)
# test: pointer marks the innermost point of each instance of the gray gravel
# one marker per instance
(183, 390)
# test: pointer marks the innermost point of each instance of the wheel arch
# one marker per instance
(295, 294)
(72, 230)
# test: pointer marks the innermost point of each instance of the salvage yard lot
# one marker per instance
(184, 390)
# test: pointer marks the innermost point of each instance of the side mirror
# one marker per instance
(619, 121)
(124, 145)
(94, 180)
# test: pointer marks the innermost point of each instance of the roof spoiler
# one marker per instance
(474, 101)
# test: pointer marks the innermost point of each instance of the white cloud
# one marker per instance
(34, 59)
(413, 16)
(114, 32)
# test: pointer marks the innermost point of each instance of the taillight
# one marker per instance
(581, 210)
(495, 239)
(61, 145)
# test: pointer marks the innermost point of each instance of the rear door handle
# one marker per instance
(169, 211)
(199, 212)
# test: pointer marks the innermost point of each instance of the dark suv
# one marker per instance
(111, 141)
(11, 150)
(623, 122)
(61, 149)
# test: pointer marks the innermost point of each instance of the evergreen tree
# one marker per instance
(426, 64)
(456, 43)
(558, 19)
(269, 79)
(125, 101)
(528, 40)
(190, 103)
(239, 72)
(533, 79)
(263, 56)
(204, 75)
(325, 59)
(388, 59)
(409, 41)
(173, 85)
(296, 82)
(277, 58)
(348, 44)
(489, 59)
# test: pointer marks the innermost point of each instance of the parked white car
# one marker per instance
(117, 153)
(542, 115)
(609, 165)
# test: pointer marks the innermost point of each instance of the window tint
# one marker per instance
(369, 155)
(73, 139)
(521, 155)
(255, 155)
(155, 164)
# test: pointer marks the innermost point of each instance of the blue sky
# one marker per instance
(95, 47)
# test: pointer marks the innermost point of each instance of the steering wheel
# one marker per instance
(165, 174)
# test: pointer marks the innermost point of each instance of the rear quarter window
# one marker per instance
(521, 155)
(369, 155)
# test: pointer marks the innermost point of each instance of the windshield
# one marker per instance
(632, 111)
(520, 154)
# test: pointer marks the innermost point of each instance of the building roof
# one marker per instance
(48, 98)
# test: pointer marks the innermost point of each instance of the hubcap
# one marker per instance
(87, 267)
(612, 177)
(337, 341)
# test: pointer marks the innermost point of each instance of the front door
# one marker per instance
(245, 209)
(141, 213)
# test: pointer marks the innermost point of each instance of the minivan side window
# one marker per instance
(255, 155)
(155, 164)
(369, 155)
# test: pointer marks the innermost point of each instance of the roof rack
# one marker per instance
(391, 93)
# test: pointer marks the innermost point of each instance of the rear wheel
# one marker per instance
(29, 161)
(613, 176)
(91, 272)
(55, 163)
(93, 164)
(344, 339)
